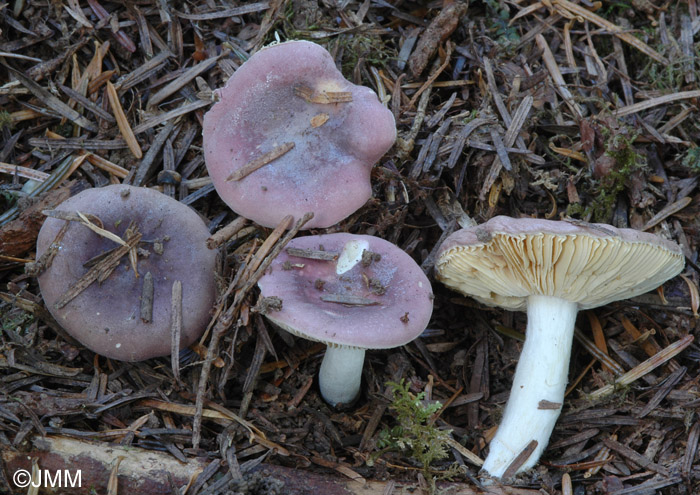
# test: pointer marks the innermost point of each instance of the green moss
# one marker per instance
(499, 16)
(5, 119)
(11, 320)
(414, 432)
(691, 159)
(604, 191)
(370, 48)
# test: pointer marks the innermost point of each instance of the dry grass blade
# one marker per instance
(25, 172)
(689, 459)
(694, 295)
(184, 78)
(70, 216)
(226, 13)
(643, 368)
(553, 68)
(112, 485)
(98, 272)
(143, 71)
(667, 211)
(107, 166)
(51, 101)
(170, 115)
(613, 28)
(86, 103)
(655, 102)
(466, 453)
(122, 122)
(635, 456)
(100, 231)
(519, 118)
(176, 328)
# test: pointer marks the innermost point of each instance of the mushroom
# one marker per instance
(351, 292)
(106, 315)
(290, 135)
(551, 269)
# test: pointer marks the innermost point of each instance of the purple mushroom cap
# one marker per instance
(332, 146)
(400, 294)
(106, 317)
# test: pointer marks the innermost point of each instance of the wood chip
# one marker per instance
(437, 31)
(549, 405)
(319, 120)
(147, 290)
(175, 328)
(224, 234)
(260, 162)
(348, 300)
(322, 97)
(519, 460)
(313, 254)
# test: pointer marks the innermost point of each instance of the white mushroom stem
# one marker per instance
(341, 373)
(541, 375)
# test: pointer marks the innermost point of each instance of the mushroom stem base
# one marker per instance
(341, 374)
(541, 375)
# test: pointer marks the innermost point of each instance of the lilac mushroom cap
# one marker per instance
(382, 300)
(551, 269)
(106, 317)
(265, 106)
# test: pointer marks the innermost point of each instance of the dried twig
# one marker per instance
(260, 162)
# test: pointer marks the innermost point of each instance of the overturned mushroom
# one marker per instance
(551, 269)
(110, 285)
(368, 294)
(290, 135)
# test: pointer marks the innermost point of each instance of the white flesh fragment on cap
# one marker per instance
(541, 375)
(351, 255)
(341, 374)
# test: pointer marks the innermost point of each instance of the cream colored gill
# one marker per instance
(591, 271)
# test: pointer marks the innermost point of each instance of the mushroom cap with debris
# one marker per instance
(106, 317)
(282, 101)
(505, 260)
(389, 298)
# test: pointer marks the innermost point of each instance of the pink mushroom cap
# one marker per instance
(401, 312)
(335, 145)
(106, 317)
